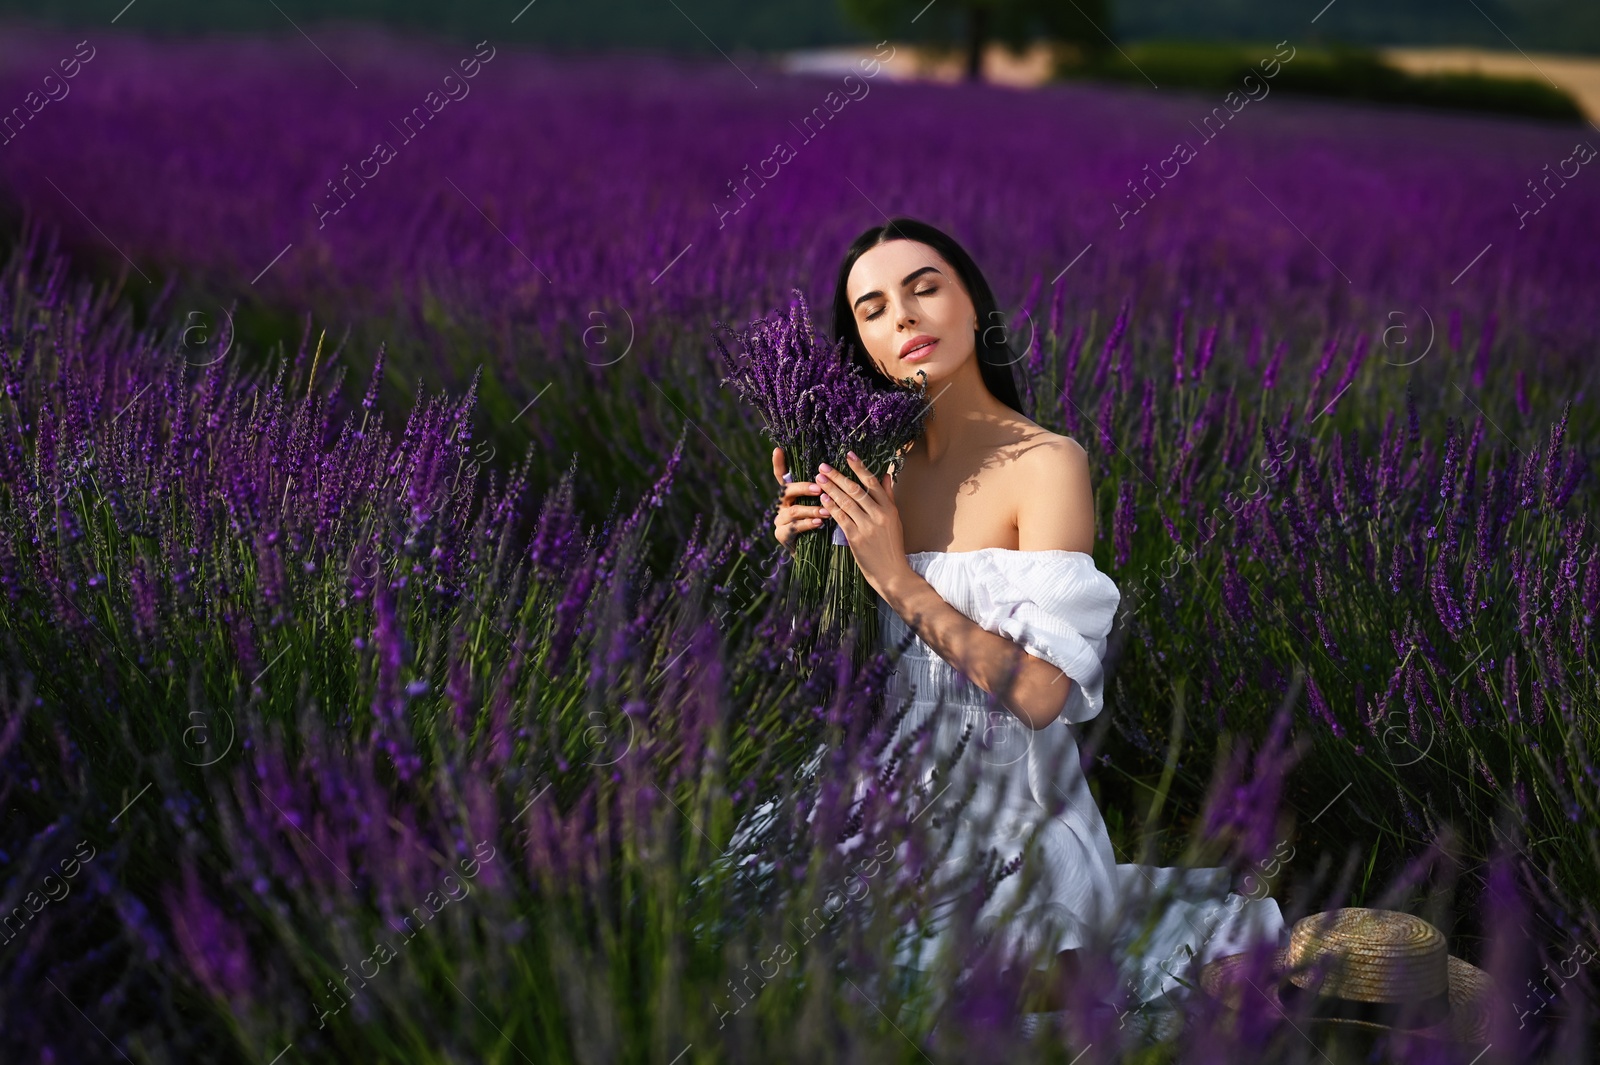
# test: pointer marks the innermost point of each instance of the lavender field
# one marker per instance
(388, 638)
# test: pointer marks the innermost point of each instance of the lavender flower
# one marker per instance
(819, 407)
(814, 402)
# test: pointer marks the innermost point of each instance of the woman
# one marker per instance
(982, 546)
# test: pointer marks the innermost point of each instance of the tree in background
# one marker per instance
(1083, 24)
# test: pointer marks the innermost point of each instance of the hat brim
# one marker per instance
(1468, 1021)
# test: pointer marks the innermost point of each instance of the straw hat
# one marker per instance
(1375, 969)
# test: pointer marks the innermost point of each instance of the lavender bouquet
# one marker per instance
(818, 406)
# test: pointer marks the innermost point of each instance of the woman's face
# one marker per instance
(903, 295)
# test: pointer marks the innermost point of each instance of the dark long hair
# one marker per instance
(995, 357)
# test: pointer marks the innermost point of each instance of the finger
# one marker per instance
(840, 484)
(781, 525)
(847, 519)
(841, 507)
(798, 522)
(872, 484)
(799, 489)
(780, 465)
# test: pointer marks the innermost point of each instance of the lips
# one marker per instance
(918, 347)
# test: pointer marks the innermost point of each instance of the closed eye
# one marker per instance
(920, 292)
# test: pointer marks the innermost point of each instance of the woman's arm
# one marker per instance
(1058, 517)
(1055, 510)
(1038, 690)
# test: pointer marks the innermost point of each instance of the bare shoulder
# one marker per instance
(1056, 508)
(1052, 455)
(1045, 456)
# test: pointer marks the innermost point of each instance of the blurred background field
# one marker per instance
(1534, 25)
(348, 521)
(1462, 79)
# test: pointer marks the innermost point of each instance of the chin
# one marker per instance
(933, 367)
(902, 373)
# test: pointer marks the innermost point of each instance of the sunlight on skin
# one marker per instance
(901, 292)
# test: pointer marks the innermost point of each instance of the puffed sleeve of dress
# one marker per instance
(1059, 607)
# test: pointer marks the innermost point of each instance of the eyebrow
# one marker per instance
(912, 276)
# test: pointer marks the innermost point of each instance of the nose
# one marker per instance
(907, 318)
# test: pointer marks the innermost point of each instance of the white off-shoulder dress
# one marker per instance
(1059, 607)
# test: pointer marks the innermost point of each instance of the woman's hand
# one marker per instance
(870, 519)
(792, 519)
